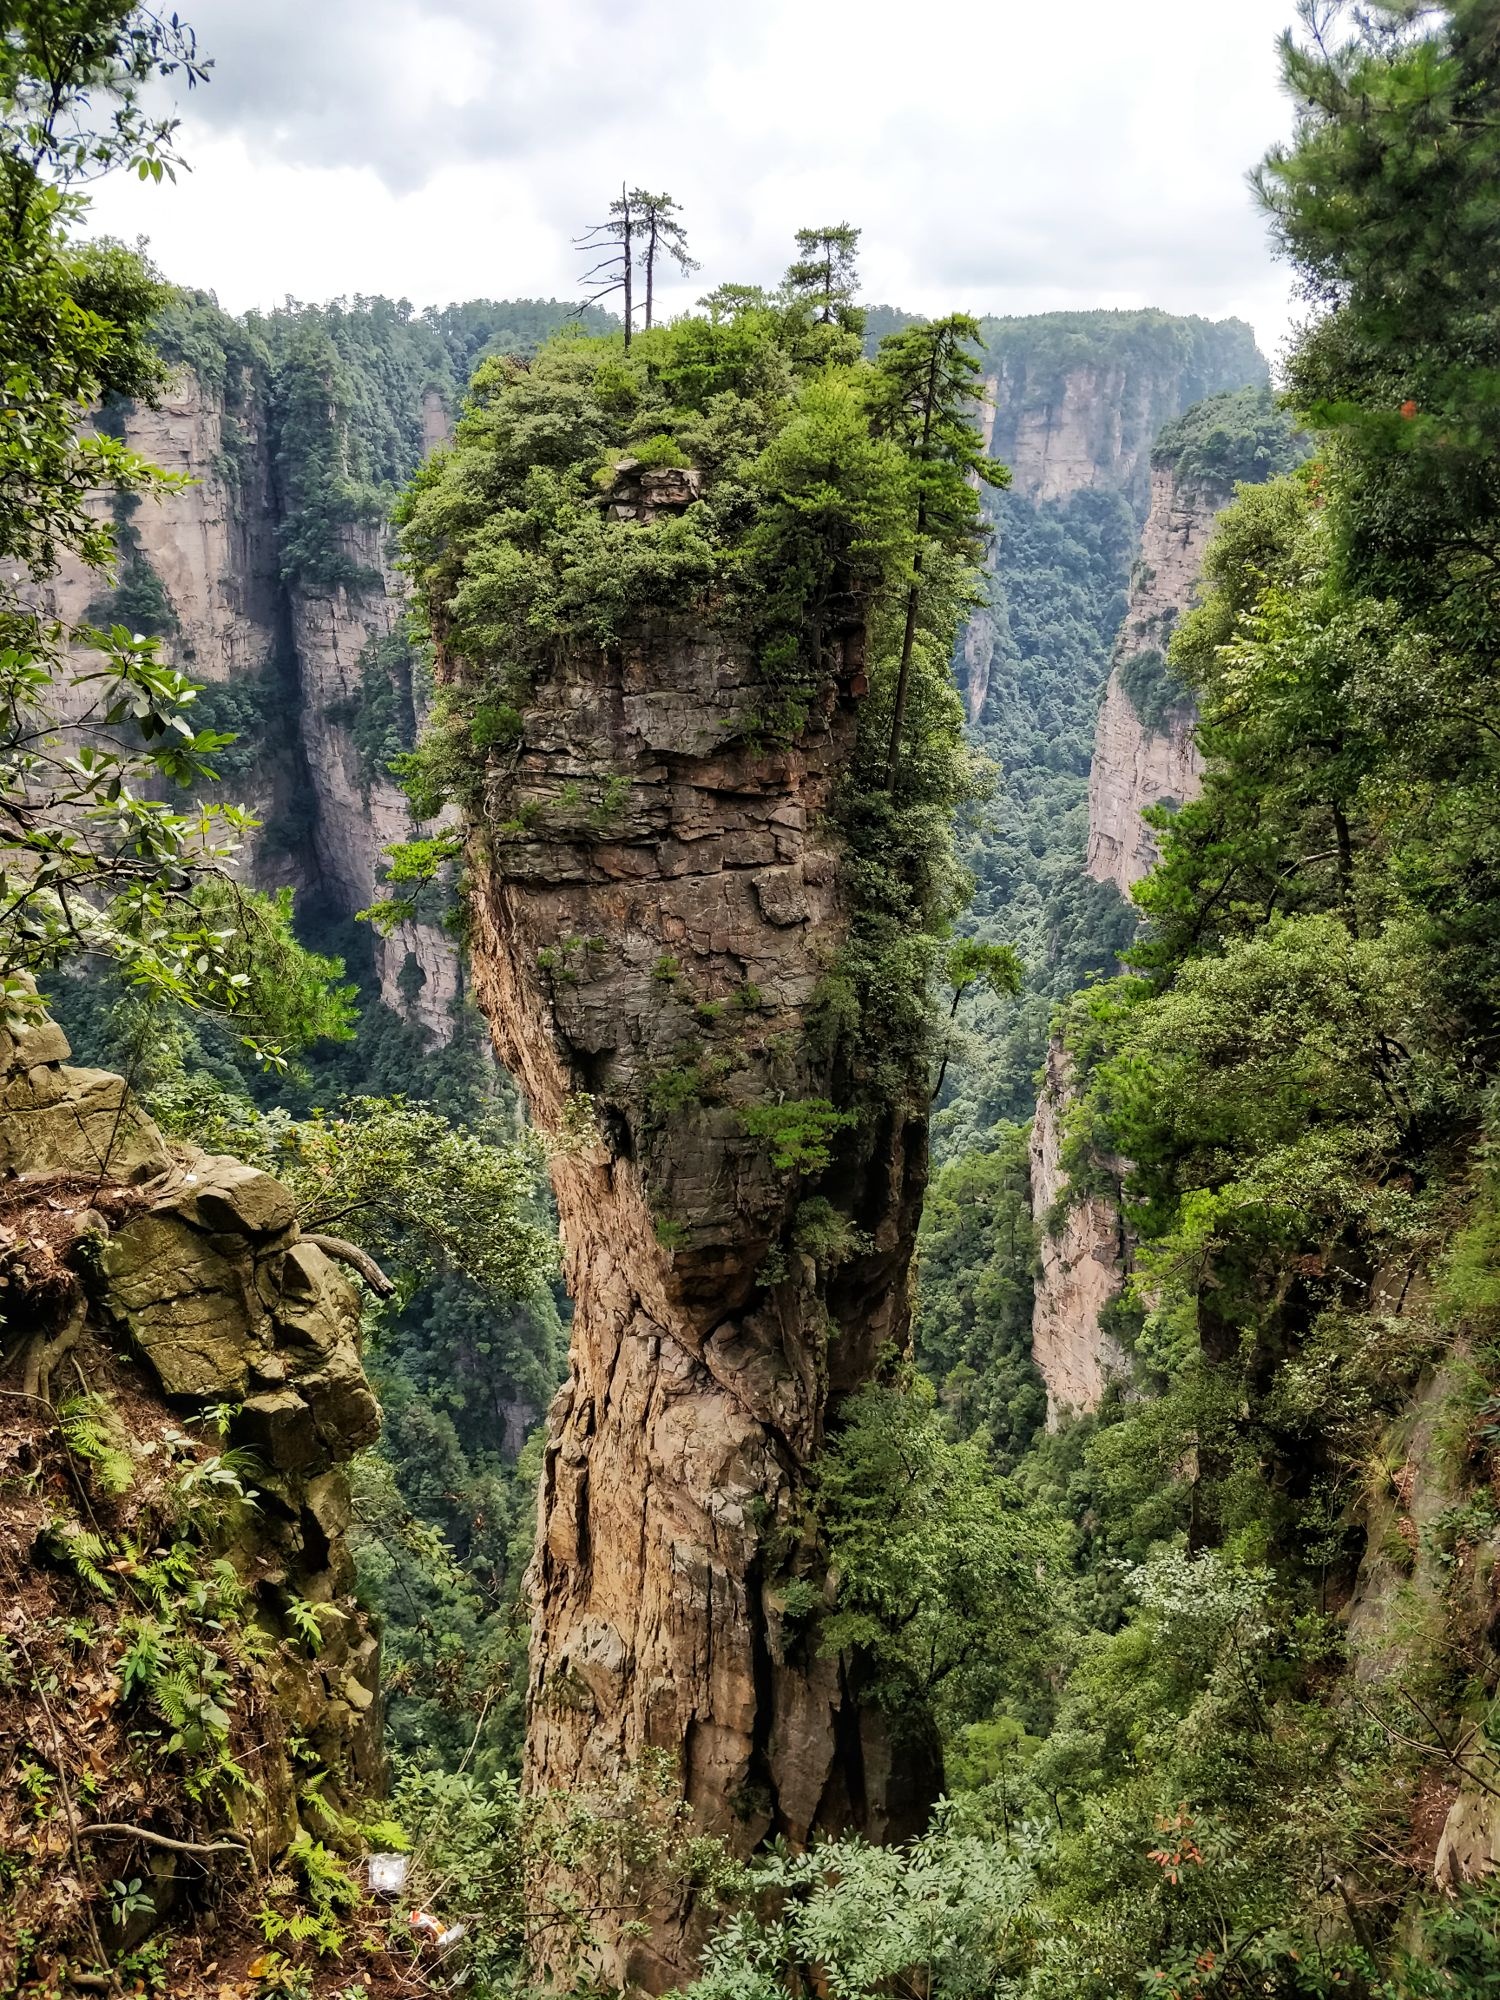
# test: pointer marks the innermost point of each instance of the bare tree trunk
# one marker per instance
(908, 641)
(627, 256)
(903, 674)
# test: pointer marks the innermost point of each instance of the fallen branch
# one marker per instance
(357, 1259)
(163, 1840)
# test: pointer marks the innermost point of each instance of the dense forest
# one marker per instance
(744, 691)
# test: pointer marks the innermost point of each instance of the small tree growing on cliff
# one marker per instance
(924, 396)
(824, 275)
(972, 965)
(662, 234)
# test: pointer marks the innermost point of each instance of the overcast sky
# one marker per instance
(999, 155)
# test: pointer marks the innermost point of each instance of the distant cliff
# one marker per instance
(1145, 754)
(1080, 398)
(1077, 401)
(269, 577)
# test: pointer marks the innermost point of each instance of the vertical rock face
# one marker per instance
(1083, 1260)
(655, 907)
(212, 543)
(1136, 765)
(1073, 405)
(297, 653)
(1082, 1265)
(1078, 398)
(360, 812)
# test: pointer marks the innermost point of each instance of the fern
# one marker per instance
(172, 1695)
(303, 1618)
(88, 1553)
(167, 1578)
(91, 1431)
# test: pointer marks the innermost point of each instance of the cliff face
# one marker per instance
(1082, 1263)
(653, 913)
(145, 1285)
(292, 659)
(1137, 765)
(359, 812)
(1145, 754)
(1079, 398)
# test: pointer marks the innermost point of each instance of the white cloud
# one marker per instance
(998, 155)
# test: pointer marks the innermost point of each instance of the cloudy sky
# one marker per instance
(999, 155)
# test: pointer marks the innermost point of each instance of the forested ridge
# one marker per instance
(1207, 1675)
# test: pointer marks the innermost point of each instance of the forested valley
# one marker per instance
(748, 1198)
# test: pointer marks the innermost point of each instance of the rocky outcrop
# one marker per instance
(656, 906)
(1082, 1251)
(1082, 1261)
(1073, 404)
(1138, 764)
(163, 1284)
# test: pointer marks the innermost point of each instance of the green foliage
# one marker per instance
(947, 1916)
(1239, 437)
(938, 1568)
(797, 1135)
(824, 276)
(974, 1295)
(1291, 1093)
(1154, 691)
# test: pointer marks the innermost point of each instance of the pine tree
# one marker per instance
(924, 396)
(825, 275)
(658, 223)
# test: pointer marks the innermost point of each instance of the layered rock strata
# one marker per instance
(656, 906)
